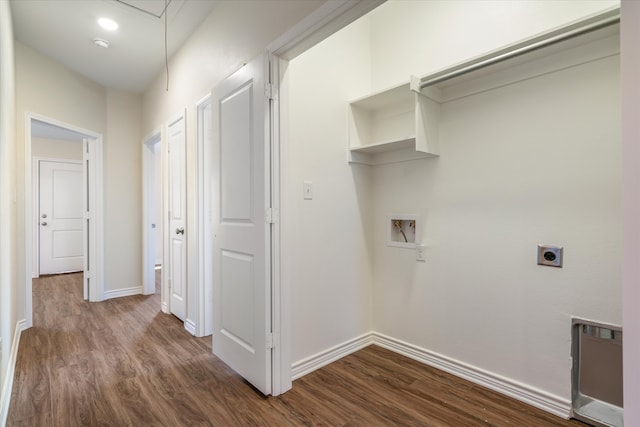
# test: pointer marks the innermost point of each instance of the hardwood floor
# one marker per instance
(124, 363)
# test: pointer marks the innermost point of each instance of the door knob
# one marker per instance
(180, 230)
(44, 215)
(44, 223)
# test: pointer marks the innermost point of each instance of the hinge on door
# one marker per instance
(269, 341)
(271, 216)
(269, 91)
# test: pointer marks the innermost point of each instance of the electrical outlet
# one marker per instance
(550, 255)
(420, 255)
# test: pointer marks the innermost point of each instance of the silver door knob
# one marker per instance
(44, 215)
(180, 230)
(44, 223)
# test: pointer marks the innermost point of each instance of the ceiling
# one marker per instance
(64, 31)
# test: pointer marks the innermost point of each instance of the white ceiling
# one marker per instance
(64, 31)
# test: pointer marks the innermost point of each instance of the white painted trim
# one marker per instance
(124, 292)
(97, 288)
(148, 214)
(164, 281)
(190, 326)
(317, 361)
(320, 24)
(522, 392)
(324, 21)
(35, 221)
(203, 230)
(7, 386)
(530, 395)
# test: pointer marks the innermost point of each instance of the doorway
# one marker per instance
(152, 212)
(58, 143)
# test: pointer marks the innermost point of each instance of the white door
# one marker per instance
(241, 243)
(177, 219)
(60, 217)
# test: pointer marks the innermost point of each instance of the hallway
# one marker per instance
(124, 363)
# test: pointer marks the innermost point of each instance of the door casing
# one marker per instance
(96, 178)
(148, 211)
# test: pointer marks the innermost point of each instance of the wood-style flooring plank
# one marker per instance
(122, 362)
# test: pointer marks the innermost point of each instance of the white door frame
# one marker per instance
(148, 212)
(204, 231)
(95, 178)
(326, 20)
(36, 207)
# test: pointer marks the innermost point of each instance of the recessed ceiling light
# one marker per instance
(101, 42)
(108, 24)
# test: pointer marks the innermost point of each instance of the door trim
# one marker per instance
(148, 214)
(320, 24)
(203, 230)
(36, 207)
(96, 177)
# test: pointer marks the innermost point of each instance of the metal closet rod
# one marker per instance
(594, 23)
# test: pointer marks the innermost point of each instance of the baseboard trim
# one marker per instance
(7, 387)
(529, 395)
(190, 327)
(317, 361)
(125, 292)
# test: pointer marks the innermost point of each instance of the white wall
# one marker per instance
(9, 316)
(420, 37)
(56, 148)
(48, 88)
(630, 71)
(328, 255)
(234, 33)
(480, 298)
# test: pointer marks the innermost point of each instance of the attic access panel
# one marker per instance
(155, 8)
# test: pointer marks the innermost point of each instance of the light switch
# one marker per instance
(420, 256)
(307, 190)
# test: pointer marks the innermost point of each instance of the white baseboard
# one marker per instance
(7, 387)
(125, 292)
(522, 392)
(317, 361)
(190, 327)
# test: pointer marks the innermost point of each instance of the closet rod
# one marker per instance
(597, 22)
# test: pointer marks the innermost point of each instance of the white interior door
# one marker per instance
(241, 244)
(60, 217)
(177, 219)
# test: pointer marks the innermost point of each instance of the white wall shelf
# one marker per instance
(401, 123)
(385, 127)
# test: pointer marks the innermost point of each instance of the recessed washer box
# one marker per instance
(550, 256)
(402, 230)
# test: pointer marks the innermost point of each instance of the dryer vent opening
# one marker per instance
(596, 380)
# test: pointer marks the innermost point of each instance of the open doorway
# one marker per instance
(57, 189)
(152, 213)
(63, 199)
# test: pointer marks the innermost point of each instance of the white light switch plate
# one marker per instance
(420, 255)
(307, 190)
